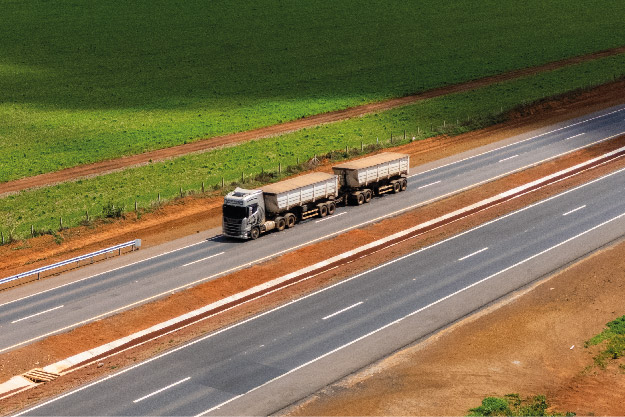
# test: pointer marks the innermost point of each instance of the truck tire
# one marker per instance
(396, 186)
(331, 208)
(290, 219)
(280, 223)
(360, 198)
(404, 184)
(323, 210)
(254, 233)
(368, 195)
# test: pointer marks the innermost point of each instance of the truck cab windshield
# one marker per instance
(234, 212)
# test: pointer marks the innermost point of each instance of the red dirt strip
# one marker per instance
(104, 167)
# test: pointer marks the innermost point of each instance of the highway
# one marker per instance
(266, 362)
(40, 309)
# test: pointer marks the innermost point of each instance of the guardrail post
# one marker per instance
(137, 244)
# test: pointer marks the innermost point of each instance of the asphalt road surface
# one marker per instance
(266, 362)
(40, 309)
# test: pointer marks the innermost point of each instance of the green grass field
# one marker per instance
(82, 81)
(43, 207)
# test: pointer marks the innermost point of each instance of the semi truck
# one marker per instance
(249, 213)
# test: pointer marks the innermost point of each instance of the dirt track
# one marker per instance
(107, 166)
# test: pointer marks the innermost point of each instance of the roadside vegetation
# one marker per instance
(75, 202)
(612, 341)
(513, 405)
(82, 81)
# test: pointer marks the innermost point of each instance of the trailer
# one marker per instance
(249, 213)
(377, 174)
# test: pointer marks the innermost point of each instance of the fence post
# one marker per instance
(391, 137)
(404, 134)
(180, 192)
(2, 234)
(346, 148)
(223, 183)
(32, 231)
(61, 222)
(202, 186)
(159, 197)
(135, 206)
(87, 212)
(242, 176)
(279, 167)
(362, 146)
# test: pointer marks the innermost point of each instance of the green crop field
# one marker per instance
(43, 207)
(82, 81)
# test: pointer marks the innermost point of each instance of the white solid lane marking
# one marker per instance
(427, 185)
(574, 210)
(203, 259)
(35, 315)
(508, 158)
(331, 217)
(162, 389)
(573, 137)
(342, 311)
(472, 254)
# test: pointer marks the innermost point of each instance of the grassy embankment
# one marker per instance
(82, 81)
(613, 340)
(43, 207)
(514, 405)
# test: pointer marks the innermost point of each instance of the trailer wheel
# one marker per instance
(323, 210)
(255, 232)
(368, 195)
(331, 208)
(290, 220)
(404, 184)
(280, 223)
(360, 198)
(396, 186)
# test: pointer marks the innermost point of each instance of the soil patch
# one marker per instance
(107, 166)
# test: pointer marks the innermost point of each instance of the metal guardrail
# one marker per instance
(135, 244)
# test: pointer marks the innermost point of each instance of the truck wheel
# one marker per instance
(255, 232)
(280, 223)
(323, 210)
(290, 220)
(368, 195)
(360, 198)
(404, 184)
(331, 208)
(396, 186)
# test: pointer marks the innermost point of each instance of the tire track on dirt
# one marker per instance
(203, 145)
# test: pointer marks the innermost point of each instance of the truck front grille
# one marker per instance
(232, 227)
